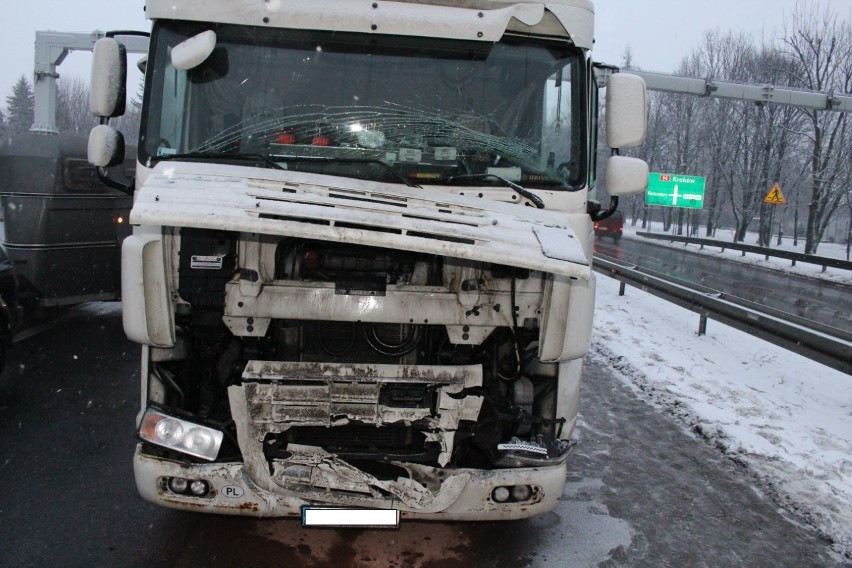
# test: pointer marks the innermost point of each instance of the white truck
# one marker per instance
(360, 267)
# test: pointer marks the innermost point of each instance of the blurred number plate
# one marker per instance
(341, 517)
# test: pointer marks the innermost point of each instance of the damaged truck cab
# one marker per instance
(360, 268)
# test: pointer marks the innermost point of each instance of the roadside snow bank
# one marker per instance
(784, 417)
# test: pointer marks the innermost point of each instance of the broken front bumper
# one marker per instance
(464, 494)
(292, 423)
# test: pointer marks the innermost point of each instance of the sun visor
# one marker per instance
(358, 16)
(578, 21)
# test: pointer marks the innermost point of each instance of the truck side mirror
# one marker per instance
(626, 126)
(109, 78)
(107, 99)
(106, 146)
(626, 176)
(626, 115)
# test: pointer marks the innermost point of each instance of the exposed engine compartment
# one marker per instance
(357, 389)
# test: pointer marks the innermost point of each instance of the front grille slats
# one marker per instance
(372, 412)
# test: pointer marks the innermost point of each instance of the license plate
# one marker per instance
(349, 517)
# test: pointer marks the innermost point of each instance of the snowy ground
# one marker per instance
(784, 417)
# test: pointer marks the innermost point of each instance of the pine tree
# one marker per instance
(20, 107)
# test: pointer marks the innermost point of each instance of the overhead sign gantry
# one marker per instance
(759, 94)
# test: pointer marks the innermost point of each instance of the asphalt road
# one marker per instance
(641, 490)
(817, 300)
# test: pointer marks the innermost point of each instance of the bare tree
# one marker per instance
(688, 137)
(743, 149)
(73, 116)
(72, 107)
(779, 144)
(128, 124)
(651, 151)
(722, 57)
(738, 138)
(848, 199)
(821, 47)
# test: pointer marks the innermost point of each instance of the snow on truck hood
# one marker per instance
(296, 204)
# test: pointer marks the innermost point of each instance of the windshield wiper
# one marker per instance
(522, 191)
(328, 159)
(208, 156)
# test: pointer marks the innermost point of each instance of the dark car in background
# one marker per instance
(612, 226)
(10, 309)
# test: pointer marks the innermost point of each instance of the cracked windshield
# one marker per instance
(381, 108)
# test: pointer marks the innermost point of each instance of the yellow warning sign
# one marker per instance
(775, 197)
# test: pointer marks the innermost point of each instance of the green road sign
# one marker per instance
(673, 190)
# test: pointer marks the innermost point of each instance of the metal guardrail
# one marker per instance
(827, 345)
(823, 261)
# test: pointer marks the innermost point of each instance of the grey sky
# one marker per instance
(20, 23)
(659, 32)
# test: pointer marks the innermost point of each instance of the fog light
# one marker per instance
(181, 435)
(198, 488)
(178, 484)
(500, 494)
(521, 492)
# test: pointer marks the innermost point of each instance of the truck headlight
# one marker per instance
(178, 434)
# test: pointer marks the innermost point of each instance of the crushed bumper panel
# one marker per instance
(276, 397)
(469, 500)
